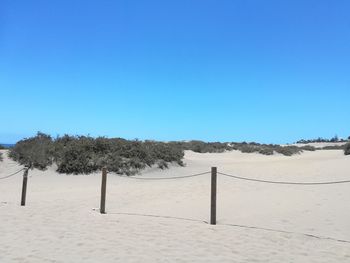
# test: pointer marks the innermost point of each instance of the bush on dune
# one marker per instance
(203, 147)
(1, 156)
(347, 149)
(269, 149)
(244, 147)
(308, 148)
(288, 150)
(333, 147)
(35, 152)
(84, 155)
(266, 151)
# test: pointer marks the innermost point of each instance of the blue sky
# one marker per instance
(266, 71)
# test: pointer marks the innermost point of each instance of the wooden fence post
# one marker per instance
(24, 186)
(103, 191)
(213, 196)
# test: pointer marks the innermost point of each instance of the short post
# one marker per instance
(24, 186)
(213, 196)
(103, 191)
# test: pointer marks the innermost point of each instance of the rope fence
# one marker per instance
(213, 194)
(13, 174)
(282, 182)
(24, 183)
(164, 178)
(235, 177)
(213, 187)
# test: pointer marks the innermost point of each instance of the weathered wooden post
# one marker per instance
(213, 196)
(103, 191)
(24, 186)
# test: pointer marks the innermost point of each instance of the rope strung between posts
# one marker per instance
(164, 178)
(8, 176)
(281, 182)
(288, 232)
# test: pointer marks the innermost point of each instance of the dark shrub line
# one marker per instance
(347, 149)
(320, 139)
(84, 154)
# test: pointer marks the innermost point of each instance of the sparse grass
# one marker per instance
(1, 158)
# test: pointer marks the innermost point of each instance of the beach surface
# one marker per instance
(167, 220)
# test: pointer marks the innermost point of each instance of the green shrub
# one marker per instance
(333, 147)
(84, 155)
(266, 151)
(347, 149)
(248, 148)
(308, 148)
(35, 152)
(76, 157)
(203, 147)
(288, 150)
(1, 158)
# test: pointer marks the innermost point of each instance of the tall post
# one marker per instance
(213, 196)
(24, 186)
(103, 191)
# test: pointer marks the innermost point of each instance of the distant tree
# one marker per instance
(335, 139)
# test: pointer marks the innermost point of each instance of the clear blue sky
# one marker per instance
(266, 71)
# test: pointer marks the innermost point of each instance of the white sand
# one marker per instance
(59, 223)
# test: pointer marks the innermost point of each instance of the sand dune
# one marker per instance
(163, 221)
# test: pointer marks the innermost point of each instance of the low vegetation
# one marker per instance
(83, 154)
(347, 149)
(269, 149)
(252, 147)
(202, 147)
(333, 147)
(1, 148)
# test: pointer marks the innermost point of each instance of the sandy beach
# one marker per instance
(167, 220)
